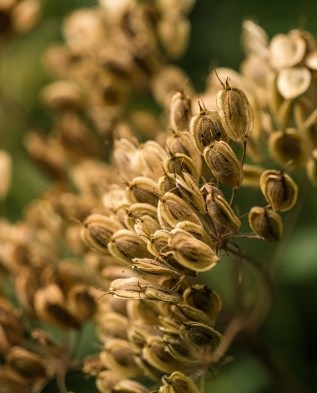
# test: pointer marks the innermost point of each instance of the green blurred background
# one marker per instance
(290, 331)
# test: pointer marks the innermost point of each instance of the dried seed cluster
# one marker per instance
(143, 224)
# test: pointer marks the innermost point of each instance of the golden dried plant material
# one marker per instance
(279, 189)
(235, 112)
(151, 156)
(251, 175)
(146, 226)
(139, 288)
(183, 312)
(287, 147)
(11, 382)
(118, 355)
(287, 50)
(50, 306)
(112, 325)
(167, 183)
(98, 230)
(183, 142)
(157, 244)
(47, 342)
(178, 382)
(292, 82)
(189, 191)
(254, 39)
(179, 163)
(224, 164)
(180, 111)
(129, 386)
(126, 158)
(195, 230)
(142, 190)
(154, 266)
(311, 60)
(137, 211)
(199, 334)
(203, 298)
(145, 315)
(126, 245)
(206, 127)
(172, 209)
(157, 356)
(180, 349)
(191, 252)
(311, 167)
(310, 127)
(26, 364)
(63, 95)
(105, 379)
(266, 223)
(219, 210)
(81, 303)
(5, 173)
(11, 326)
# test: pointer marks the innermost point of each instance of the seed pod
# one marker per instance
(154, 266)
(292, 82)
(224, 164)
(266, 223)
(112, 325)
(195, 230)
(183, 312)
(142, 190)
(287, 146)
(129, 386)
(251, 175)
(220, 211)
(80, 302)
(118, 355)
(179, 163)
(151, 156)
(191, 252)
(190, 191)
(126, 245)
(145, 226)
(311, 167)
(138, 210)
(180, 111)
(98, 231)
(139, 288)
(25, 363)
(180, 350)
(167, 183)
(178, 383)
(172, 209)
(200, 334)
(206, 127)
(158, 243)
(279, 189)
(12, 328)
(235, 112)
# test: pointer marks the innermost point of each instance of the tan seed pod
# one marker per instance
(292, 82)
(190, 191)
(288, 148)
(157, 244)
(311, 167)
(286, 50)
(180, 111)
(126, 245)
(195, 230)
(151, 156)
(219, 210)
(279, 190)
(167, 183)
(118, 355)
(142, 190)
(178, 382)
(138, 210)
(183, 142)
(224, 164)
(25, 363)
(180, 350)
(251, 175)
(80, 302)
(62, 95)
(235, 112)
(200, 334)
(112, 325)
(98, 230)
(11, 331)
(154, 266)
(172, 209)
(129, 386)
(183, 312)
(145, 226)
(180, 163)
(191, 252)
(206, 127)
(266, 223)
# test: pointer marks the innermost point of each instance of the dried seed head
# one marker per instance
(288, 146)
(80, 302)
(62, 95)
(11, 331)
(129, 386)
(178, 383)
(142, 190)
(292, 82)
(220, 211)
(154, 266)
(25, 363)
(191, 252)
(224, 164)
(279, 189)
(286, 50)
(126, 245)
(251, 175)
(179, 163)
(195, 230)
(98, 231)
(145, 226)
(266, 223)
(182, 312)
(200, 334)
(183, 143)
(190, 191)
(235, 112)
(206, 127)
(180, 111)
(137, 211)
(157, 244)
(151, 156)
(172, 209)
(311, 167)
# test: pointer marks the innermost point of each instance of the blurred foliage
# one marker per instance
(290, 330)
